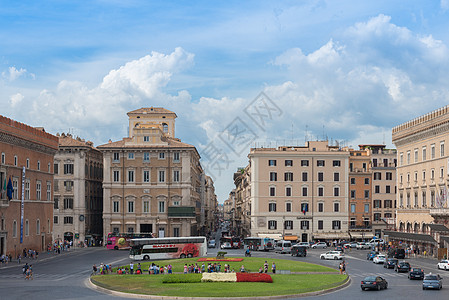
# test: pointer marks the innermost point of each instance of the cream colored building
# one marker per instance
(78, 192)
(152, 181)
(300, 192)
(242, 180)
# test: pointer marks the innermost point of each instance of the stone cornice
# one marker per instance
(422, 135)
(15, 141)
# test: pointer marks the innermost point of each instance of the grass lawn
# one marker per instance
(282, 284)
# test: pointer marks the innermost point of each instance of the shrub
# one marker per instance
(181, 278)
(254, 277)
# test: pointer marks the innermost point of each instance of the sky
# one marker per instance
(238, 74)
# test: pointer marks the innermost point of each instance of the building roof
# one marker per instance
(152, 110)
(411, 237)
(172, 143)
(69, 141)
(438, 227)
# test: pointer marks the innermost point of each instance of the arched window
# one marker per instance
(164, 127)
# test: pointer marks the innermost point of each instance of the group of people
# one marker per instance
(342, 267)
(4, 259)
(264, 268)
(28, 271)
(101, 269)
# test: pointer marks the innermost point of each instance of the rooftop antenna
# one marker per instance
(305, 135)
(323, 133)
(384, 139)
(292, 132)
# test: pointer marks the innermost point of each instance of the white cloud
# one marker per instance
(16, 99)
(444, 4)
(14, 73)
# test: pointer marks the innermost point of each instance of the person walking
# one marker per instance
(273, 268)
(94, 270)
(265, 267)
(131, 268)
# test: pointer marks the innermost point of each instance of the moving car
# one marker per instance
(298, 250)
(397, 253)
(370, 255)
(431, 281)
(332, 255)
(374, 282)
(416, 273)
(444, 264)
(379, 259)
(211, 244)
(304, 244)
(226, 245)
(283, 247)
(339, 248)
(319, 245)
(390, 263)
(402, 266)
(362, 246)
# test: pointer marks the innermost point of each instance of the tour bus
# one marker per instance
(228, 242)
(168, 248)
(116, 241)
(259, 243)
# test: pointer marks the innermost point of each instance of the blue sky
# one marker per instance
(345, 70)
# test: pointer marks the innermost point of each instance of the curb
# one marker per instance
(341, 285)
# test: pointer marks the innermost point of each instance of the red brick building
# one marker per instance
(27, 156)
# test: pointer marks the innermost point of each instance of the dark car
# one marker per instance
(339, 248)
(402, 266)
(416, 273)
(390, 263)
(370, 255)
(299, 251)
(432, 282)
(397, 253)
(374, 282)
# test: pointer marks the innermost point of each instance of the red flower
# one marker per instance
(254, 277)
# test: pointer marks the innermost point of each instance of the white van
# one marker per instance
(283, 247)
(375, 242)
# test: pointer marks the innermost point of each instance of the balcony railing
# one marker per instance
(439, 212)
(181, 211)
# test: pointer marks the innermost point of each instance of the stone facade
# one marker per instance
(78, 191)
(242, 180)
(27, 159)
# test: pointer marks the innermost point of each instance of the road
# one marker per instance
(64, 276)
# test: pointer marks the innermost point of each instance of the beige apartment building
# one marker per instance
(152, 181)
(422, 175)
(242, 180)
(300, 192)
(78, 191)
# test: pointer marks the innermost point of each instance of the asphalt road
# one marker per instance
(64, 276)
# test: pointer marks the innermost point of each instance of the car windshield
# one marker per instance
(431, 277)
(404, 264)
(416, 270)
(370, 278)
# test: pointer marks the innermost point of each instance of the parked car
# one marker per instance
(362, 246)
(370, 255)
(390, 263)
(431, 281)
(332, 255)
(352, 245)
(283, 247)
(319, 245)
(416, 273)
(397, 253)
(211, 244)
(444, 264)
(298, 250)
(379, 259)
(374, 282)
(402, 266)
(304, 244)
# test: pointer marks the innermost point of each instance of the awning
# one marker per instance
(331, 235)
(116, 223)
(276, 236)
(410, 237)
(438, 227)
(290, 237)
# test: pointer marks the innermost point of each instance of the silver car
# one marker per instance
(432, 281)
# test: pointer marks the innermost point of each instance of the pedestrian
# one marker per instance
(265, 267)
(242, 269)
(343, 267)
(94, 270)
(273, 268)
(185, 268)
(131, 268)
(340, 268)
(139, 268)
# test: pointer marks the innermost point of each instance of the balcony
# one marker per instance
(181, 212)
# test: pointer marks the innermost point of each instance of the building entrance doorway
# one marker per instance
(146, 228)
(304, 237)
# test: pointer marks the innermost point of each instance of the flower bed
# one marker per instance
(219, 277)
(220, 259)
(254, 277)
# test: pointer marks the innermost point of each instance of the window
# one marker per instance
(68, 203)
(336, 225)
(176, 156)
(176, 176)
(38, 190)
(15, 160)
(176, 231)
(48, 191)
(27, 228)
(366, 193)
(424, 175)
(38, 165)
(387, 189)
(116, 176)
(175, 203)
(68, 185)
(14, 229)
(352, 207)
(116, 205)
(366, 208)
(364, 166)
(432, 198)
(28, 163)
(55, 220)
(366, 180)
(336, 206)
(304, 176)
(352, 180)
(272, 163)
(146, 206)
(377, 203)
(288, 176)
(350, 167)
(304, 207)
(161, 176)
(146, 176)
(130, 206)
(320, 163)
(336, 176)
(161, 155)
(49, 168)
(336, 163)
(432, 174)
(408, 157)
(388, 215)
(304, 163)
(116, 156)
(389, 176)
(68, 220)
(130, 175)
(3, 158)
(424, 201)
(271, 207)
(146, 138)
(289, 163)
(416, 155)
(27, 189)
(320, 224)
(273, 176)
(320, 191)
(146, 156)
(130, 155)
(352, 194)
(320, 207)
(56, 203)
(304, 191)
(272, 224)
(272, 191)
(161, 207)
(15, 188)
(388, 203)
(38, 227)
(424, 153)
(336, 191)
(376, 189)
(432, 151)
(288, 191)
(401, 159)
(374, 162)
(441, 172)
(68, 168)
(377, 176)
(304, 225)
(288, 207)
(288, 225)
(165, 127)
(320, 176)
(441, 149)
(377, 216)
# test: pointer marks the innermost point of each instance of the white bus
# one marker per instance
(168, 248)
(259, 243)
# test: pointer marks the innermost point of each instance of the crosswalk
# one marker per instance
(40, 276)
(384, 275)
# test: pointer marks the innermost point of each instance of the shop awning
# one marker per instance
(290, 237)
(276, 236)
(410, 237)
(331, 235)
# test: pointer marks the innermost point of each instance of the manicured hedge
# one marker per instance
(181, 278)
(254, 277)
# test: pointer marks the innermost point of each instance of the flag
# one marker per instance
(9, 189)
